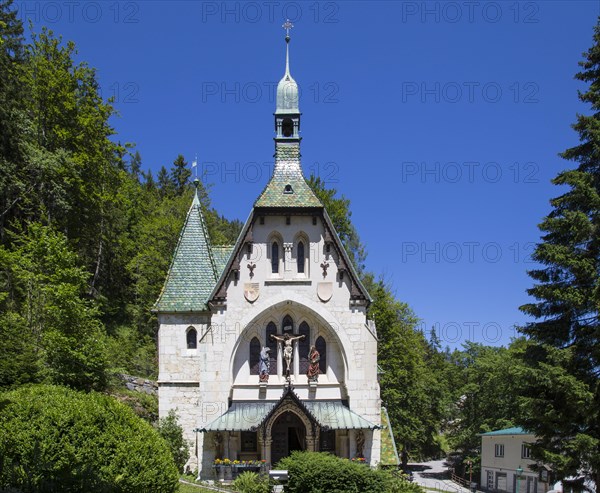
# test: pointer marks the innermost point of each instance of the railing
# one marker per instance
(461, 481)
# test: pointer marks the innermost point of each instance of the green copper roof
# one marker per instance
(193, 272)
(246, 416)
(287, 187)
(517, 430)
(221, 254)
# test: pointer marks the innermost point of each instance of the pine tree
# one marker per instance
(180, 174)
(566, 332)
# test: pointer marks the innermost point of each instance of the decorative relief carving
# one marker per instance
(251, 267)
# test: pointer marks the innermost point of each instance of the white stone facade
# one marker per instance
(201, 383)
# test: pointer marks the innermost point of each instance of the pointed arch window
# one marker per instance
(272, 345)
(275, 258)
(254, 356)
(287, 325)
(321, 346)
(304, 347)
(300, 257)
(191, 338)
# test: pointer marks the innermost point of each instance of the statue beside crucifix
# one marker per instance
(288, 349)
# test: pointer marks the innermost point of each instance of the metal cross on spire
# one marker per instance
(287, 25)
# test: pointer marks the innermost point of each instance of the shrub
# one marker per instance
(172, 433)
(57, 439)
(319, 472)
(251, 482)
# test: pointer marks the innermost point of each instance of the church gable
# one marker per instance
(279, 245)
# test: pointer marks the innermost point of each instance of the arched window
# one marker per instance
(272, 345)
(191, 338)
(300, 257)
(254, 356)
(287, 325)
(275, 257)
(304, 347)
(321, 346)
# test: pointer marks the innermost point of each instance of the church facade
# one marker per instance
(265, 346)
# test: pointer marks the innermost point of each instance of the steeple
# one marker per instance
(287, 89)
(287, 187)
(193, 272)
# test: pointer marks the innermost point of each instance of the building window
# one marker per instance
(304, 347)
(192, 338)
(490, 480)
(499, 450)
(272, 345)
(287, 325)
(300, 257)
(254, 356)
(275, 258)
(321, 346)
(248, 441)
(525, 451)
(327, 441)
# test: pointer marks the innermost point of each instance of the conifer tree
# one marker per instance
(561, 392)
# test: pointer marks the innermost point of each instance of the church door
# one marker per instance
(288, 434)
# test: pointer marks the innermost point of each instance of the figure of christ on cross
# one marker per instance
(288, 349)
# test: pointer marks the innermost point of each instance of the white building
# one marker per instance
(506, 461)
(287, 274)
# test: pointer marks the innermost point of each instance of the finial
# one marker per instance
(287, 26)
(196, 182)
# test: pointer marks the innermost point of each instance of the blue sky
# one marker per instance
(440, 121)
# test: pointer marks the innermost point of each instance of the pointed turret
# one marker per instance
(193, 272)
(287, 187)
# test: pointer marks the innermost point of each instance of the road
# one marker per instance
(433, 475)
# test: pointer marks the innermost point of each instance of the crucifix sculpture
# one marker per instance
(288, 349)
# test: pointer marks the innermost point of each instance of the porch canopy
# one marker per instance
(248, 416)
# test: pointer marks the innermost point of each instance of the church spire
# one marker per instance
(287, 89)
(287, 187)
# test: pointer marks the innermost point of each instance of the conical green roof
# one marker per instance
(193, 273)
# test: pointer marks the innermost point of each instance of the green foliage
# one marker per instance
(485, 382)
(44, 296)
(339, 212)
(251, 482)
(413, 394)
(567, 306)
(54, 438)
(172, 432)
(132, 353)
(320, 472)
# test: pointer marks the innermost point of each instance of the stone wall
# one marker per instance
(137, 384)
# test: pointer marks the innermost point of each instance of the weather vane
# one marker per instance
(287, 26)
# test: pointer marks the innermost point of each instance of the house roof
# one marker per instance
(516, 430)
(193, 271)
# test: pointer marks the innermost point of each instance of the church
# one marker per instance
(264, 346)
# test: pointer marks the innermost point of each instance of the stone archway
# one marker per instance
(288, 428)
(288, 433)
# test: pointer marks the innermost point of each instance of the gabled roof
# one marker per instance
(221, 254)
(516, 430)
(358, 289)
(193, 271)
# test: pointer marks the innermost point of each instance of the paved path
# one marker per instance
(433, 475)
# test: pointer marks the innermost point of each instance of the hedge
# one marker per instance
(56, 439)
